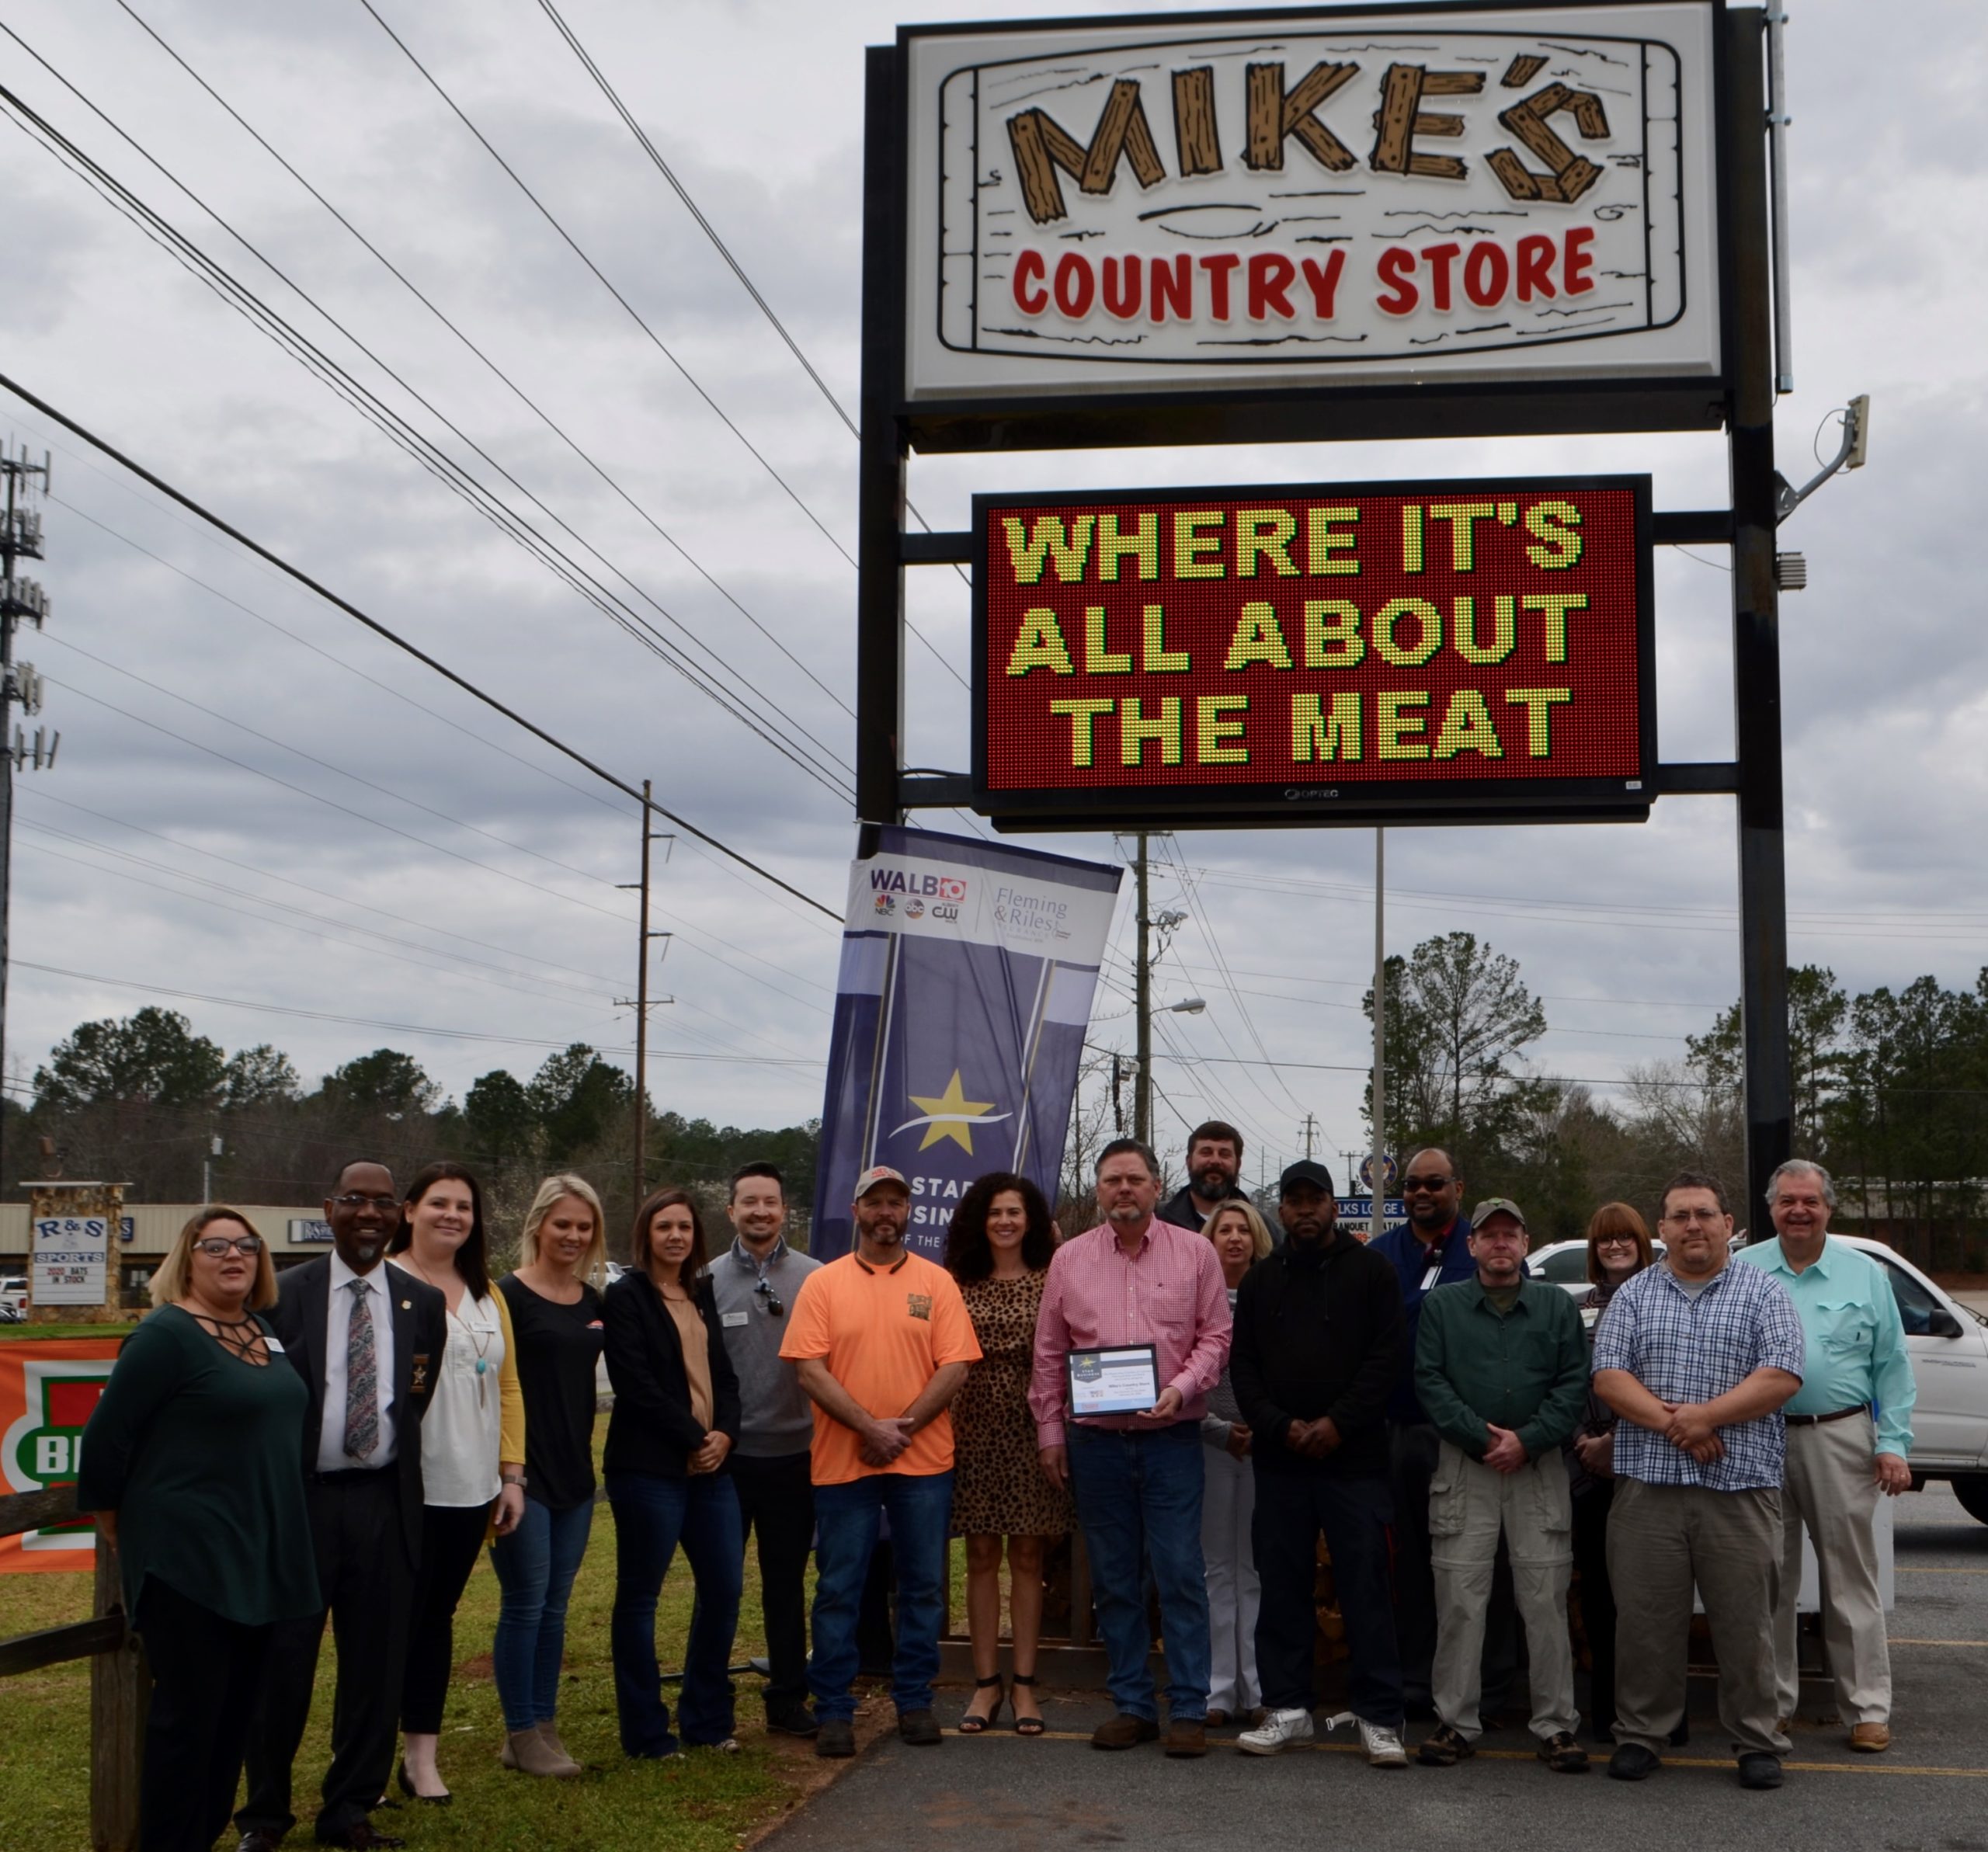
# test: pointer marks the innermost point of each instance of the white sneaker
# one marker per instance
(1277, 1733)
(1382, 1745)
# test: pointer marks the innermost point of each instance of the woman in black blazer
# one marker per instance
(675, 1418)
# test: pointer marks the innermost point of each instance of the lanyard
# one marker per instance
(1435, 1266)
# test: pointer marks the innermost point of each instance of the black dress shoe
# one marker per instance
(258, 1839)
(363, 1838)
(799, 1721)
(1759, 1770)
(1631, 1762)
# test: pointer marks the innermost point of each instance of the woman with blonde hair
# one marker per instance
(554, 1299)
(472, 1445)
(194, 1463)
(1228, 1495)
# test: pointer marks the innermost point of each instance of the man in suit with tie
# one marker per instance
(368, 1343)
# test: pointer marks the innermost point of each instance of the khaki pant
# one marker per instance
(1469, 1504)
(1661, 1540)
(1828, 1489)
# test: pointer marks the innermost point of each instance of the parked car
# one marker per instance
(14, 1290)
(1947, 1341)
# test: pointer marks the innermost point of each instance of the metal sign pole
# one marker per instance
(1756, 624)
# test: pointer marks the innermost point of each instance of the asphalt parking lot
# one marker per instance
(1929, 1793)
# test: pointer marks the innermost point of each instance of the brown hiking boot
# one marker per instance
(1123, 1731)
(1186, 1736)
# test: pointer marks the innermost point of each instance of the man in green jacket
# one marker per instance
(1501, 1367)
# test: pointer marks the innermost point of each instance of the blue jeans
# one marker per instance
(845, 1518)
(1138, 1499)
(535, 1566)
(652, 1515)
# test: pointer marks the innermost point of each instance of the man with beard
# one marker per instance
(1318, 1342)
(881, 1339)
(1214, 1161)
(1697, 1356)
(368, 1345)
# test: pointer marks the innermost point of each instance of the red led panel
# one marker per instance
(1438, 647)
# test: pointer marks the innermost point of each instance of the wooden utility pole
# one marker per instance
(641, 1000)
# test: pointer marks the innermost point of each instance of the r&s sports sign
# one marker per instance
(1413, 651)
(1341, 198)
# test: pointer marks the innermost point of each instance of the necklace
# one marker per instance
(481, 1337)
(243, 1339)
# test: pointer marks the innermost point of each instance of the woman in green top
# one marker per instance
(194, 1463)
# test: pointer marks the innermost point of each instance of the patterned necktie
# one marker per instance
(362, 1377)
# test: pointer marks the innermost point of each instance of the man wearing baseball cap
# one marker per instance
(1318, 1339)
(881, 1339)
(1501, 1367)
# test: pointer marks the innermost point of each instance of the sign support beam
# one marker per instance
(1756, 627)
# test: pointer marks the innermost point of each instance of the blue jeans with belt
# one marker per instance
(1139, 1497)
(846, 1519)
(653, 1515)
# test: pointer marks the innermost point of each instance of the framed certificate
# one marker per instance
(1123, 1380)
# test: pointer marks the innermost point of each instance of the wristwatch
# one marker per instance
(513, 1478)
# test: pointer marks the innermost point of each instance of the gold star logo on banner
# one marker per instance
(951, 1116)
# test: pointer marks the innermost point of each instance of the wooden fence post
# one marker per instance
(120, 1693)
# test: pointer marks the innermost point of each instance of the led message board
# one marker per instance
(1403, 652)
(1431, 199)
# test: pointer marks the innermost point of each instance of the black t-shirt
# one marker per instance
(558, 1346)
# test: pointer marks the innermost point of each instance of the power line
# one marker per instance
(573, 245)
(530, 405)
(740, 706)
(362, 1022)
(400, 642)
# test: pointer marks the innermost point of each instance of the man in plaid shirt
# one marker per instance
(1697, 1356)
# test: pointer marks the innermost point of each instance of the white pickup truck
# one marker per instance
(1948, 1344)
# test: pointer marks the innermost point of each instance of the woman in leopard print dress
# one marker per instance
(998, 1248)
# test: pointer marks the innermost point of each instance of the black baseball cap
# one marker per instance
(1306, 1170)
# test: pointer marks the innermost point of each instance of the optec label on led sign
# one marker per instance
(1429, 644)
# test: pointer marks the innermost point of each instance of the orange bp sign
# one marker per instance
(48, 1388)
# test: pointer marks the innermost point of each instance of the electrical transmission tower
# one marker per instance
(20, 539)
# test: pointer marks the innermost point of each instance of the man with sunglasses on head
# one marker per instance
(1432, 1249)
(368, 1343)
(756, 1284)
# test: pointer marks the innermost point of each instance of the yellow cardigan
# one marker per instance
(510, 1397)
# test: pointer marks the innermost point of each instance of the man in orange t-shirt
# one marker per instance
(881, 1339)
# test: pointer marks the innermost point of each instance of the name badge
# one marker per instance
(1429, 1278)
(271, 1345)
(731, 1317)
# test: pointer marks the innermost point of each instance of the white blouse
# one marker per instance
(459, 1433)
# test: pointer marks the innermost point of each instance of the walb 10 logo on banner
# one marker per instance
(1413, 651)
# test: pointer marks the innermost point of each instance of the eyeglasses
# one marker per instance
(765, 1292)
(386, 1205)
(218, 1247)
(1615, 1241)
(1430, 1184)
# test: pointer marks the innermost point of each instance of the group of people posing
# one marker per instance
(342, 1443)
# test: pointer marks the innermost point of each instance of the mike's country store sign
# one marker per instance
(48, 1387)
(1427, 646)
(1395, 197)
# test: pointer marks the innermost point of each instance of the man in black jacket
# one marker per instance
(1317, 1341)
(367, 1340)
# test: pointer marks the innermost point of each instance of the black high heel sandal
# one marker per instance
(1027, 1726)
(970, 1724)
(408, 1788)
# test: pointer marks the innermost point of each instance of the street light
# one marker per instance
(1187, 1006)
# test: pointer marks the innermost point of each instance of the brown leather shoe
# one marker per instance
(1123, 1731)
(1872, 1738)
(1186, 1736)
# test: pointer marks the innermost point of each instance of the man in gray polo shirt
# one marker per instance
(756, 1283)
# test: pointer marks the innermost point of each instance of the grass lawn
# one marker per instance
(703, 1802)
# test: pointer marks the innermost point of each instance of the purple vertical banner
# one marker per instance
(968, 970)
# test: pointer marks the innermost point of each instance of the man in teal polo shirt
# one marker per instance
(1501, 1367)
(1849, 1433)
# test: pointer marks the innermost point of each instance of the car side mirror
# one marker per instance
(1940, 1322)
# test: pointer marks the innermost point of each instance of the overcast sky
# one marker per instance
(380, 848)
